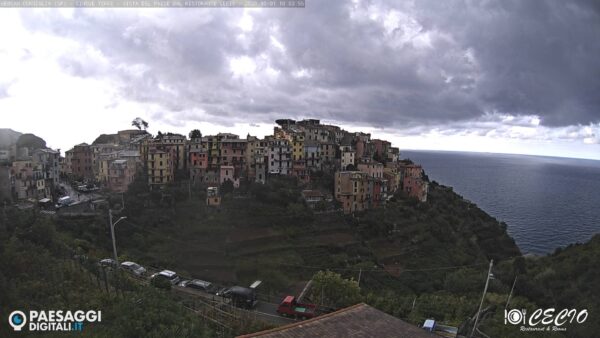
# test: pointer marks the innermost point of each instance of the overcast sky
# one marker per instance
(498, 76)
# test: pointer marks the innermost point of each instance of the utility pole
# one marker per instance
(112, 234)
(510, 294)
(487, 281)
(359, 274)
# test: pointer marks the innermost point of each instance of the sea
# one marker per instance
(547, 202)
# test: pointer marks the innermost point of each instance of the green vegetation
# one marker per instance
(266, 232)
(412, 260)
(331, 289)
(38, 271)
(31, 141)
(566, 279)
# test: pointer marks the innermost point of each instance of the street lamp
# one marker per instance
(112, 233)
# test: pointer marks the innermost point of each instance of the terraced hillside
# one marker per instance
(267, 233)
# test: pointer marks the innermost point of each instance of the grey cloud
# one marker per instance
(511, 57)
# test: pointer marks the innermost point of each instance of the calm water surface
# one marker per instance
(547, 202)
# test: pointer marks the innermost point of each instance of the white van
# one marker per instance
(64, 201)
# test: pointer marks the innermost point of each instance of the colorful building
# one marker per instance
(300, 171)
(159, 167)
(413, 182)
(351, 189)
(212, 197)
(312, 155)
(121, 174)
(81, 162)
(347, 157)
(229, 173)
(279, 157)
(372, 168)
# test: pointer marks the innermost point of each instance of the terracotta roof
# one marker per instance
(360, 320)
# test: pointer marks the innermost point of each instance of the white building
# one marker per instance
(348, 155)
(280, 157)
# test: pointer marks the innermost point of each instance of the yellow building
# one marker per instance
(175, 145)
(298, 147)
(351, 189)
(160, 167)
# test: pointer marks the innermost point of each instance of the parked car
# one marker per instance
(64, 201)
(167, 275)
(134, 268)
(241, 296)
(290, 307)
(198, 284)
(108, 262)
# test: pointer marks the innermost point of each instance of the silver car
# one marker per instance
(134, 268)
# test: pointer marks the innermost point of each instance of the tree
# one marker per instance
(334, 290)
(226, 187)
(31, 141)
(139, 123)
(195, 134)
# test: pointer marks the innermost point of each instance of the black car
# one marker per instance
(241, 296)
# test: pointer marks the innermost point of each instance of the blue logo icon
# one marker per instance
(17, 320)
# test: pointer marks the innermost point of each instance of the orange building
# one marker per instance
(351, 189)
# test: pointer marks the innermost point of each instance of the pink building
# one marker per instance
(300, 171)
(416, 187)
(233, 152)
(411, 176)
(228, 172)
(198, 163)
(377, 195)
(410, 170)
(372, 168)
(120, 175)
(81, 162)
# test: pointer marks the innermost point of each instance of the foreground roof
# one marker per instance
(360, 320)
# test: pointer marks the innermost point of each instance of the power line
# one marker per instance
(381, 269)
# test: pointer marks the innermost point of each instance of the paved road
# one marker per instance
(77, 196)
(264, 311)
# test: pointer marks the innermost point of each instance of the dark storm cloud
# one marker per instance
(535, 57)
(386, 64)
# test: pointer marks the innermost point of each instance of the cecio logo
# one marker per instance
(545, 317)
(514, 316)
(17, 320)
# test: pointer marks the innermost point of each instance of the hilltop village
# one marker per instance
(366, 171)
